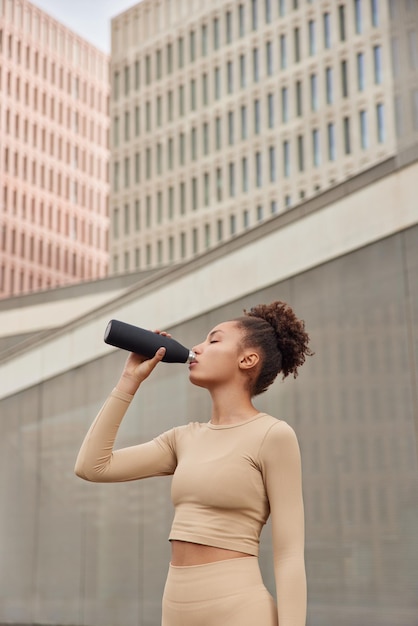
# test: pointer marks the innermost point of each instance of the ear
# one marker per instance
(249, 360)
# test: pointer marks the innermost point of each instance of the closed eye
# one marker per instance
(213, 341)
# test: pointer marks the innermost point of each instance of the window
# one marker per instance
(299, 106)
(137, 74)
(242, 71)
(148, 166)
(360, 71)
(285, 104)
(331, 141)
(296, 39)
(344, 79)
(181, 100)
(193, 144)
(193, 94)
(137, 167)
(269, 58)
(244, 174)
(259, 213)
(377, 61)
(283, 52)
(380, 119)
(272, 164)
(246, 219)
(314, 92)
(158, 62)
(192, 45)
(312, 37)
(228, 27)
(243, 118)
(216, 37)
(217, 81)
(241, 20)
(126, 80)
(219, 184)
(148, 69)
(301, 159)
(194, 194)
(205, 138)
(357, 17)
(257, 122)
(282, 8)
(267, 11)
(204, 40)
(219, 225)
(347, 138)
(363, 130)
(256, 75)
(170, 106)
(341, 22)
(254, 21)
(159, 110)
(206, 189)
(218, 136)
(231, 177)
(182, 198)
(374, 6)
(205, 89)
(316, 154)
(286, 159)
(258, 176)
(270, 110)
(180, 52)
(327, 31)
(232, 224)
(182, 148)
(230, 76)
(329, 85)
(148, 116)
(169, 56)
(230, 128)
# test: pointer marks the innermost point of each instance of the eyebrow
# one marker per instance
(215, 331)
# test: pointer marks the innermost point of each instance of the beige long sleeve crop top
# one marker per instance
(226, 482)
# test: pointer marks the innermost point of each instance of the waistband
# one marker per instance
(218, 579)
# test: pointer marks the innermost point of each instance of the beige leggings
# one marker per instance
(225, 593)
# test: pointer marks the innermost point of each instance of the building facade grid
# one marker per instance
(222, 117)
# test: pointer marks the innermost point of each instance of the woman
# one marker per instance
(229, 475)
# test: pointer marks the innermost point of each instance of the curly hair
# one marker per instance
(281, 338)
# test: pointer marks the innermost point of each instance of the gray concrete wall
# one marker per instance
(74, 553)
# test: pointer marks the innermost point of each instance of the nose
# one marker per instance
(197, 349)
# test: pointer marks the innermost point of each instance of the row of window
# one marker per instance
(165, 161)
(48, 179)
(34, 248)
(152, 113)
(160, 64)
(14, 281)
(49, 143)
(56, 110)
(56, 76)
(177, 247)
(64, 151)
(47, 33)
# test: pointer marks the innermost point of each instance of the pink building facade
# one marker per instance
(54, 124)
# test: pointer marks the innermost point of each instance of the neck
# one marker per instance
(231, 406)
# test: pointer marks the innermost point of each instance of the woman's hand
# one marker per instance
(138, 368)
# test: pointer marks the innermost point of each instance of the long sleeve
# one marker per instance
(283, 480)
(97, 461)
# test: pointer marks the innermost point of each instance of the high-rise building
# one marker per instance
(54, 153)
(224, 114)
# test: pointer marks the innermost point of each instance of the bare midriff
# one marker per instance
(184, 553)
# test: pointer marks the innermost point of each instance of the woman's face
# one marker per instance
(218, 357)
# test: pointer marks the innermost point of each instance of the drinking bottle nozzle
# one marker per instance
(191, 357)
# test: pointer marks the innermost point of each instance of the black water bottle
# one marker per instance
(145, 342)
